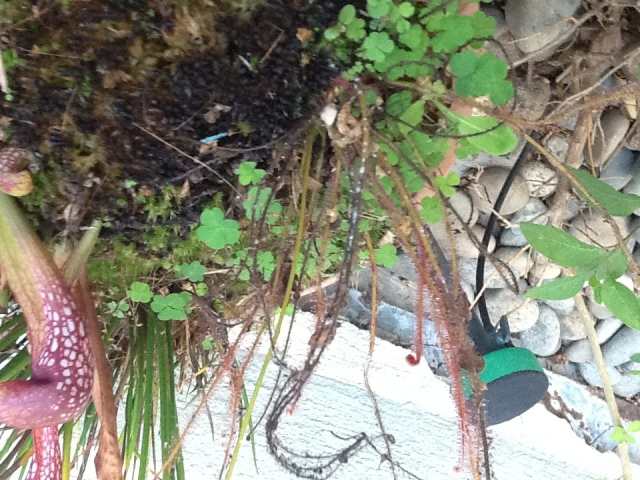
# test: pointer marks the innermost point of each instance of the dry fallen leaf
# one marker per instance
(108, 460)
(304, 34)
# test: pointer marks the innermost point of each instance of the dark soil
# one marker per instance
(98, 74)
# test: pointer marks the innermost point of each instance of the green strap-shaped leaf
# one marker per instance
(560, 247)
(615, 203)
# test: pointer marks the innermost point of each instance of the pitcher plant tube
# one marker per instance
(61, 361)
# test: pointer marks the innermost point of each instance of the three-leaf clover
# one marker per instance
(118, 310)
(216, 231)
(140, 292)
(258, 200)
(481, 75)
(266, 264)
(171, 307)
(431, 211)
(194, 271)
(376, 46)
(386, 255)
(249, 174)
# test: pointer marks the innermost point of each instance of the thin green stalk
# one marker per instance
(148, 356)
(67, 432)
(306, 166)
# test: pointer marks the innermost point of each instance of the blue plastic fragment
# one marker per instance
(213, 138)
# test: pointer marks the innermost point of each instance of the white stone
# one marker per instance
(541, 179)
(621, 346)
(543, 269)
(558, 147)
(564, 307)
(579, 352)
(590, 373)
(598, 310)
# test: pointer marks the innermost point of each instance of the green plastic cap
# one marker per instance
(515, 383)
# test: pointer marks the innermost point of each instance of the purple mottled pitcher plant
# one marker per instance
(61, 362)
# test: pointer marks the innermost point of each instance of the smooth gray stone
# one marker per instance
(537, 23)
(543, 338)
(605, 329)
(620, 169)
(541, 179)
(512, 237)
(572, 327)
(590, 373)
(563, 307)
(467, 268)
(531, 212)
(629, 383)
(621, 346)
(486, 190)
(579, 352)
(524, 314)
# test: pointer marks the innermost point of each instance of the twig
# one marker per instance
(372, 340)
(623, 449)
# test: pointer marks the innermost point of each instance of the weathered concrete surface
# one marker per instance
(416, 409)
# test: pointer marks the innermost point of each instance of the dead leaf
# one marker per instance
(108, 461)
(212, 115)
(348, 127)
(304, 34)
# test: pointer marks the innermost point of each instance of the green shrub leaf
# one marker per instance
(559, 289)
(614, 202)
(622, 302)
(560, 247)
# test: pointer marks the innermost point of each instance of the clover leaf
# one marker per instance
(431, 211)
(194, 271)
(386, 255)
(249, 174)
(216, 231)
(171, 307)
(481, 75)
(258, 200)
(140, 292)
(376, 46)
